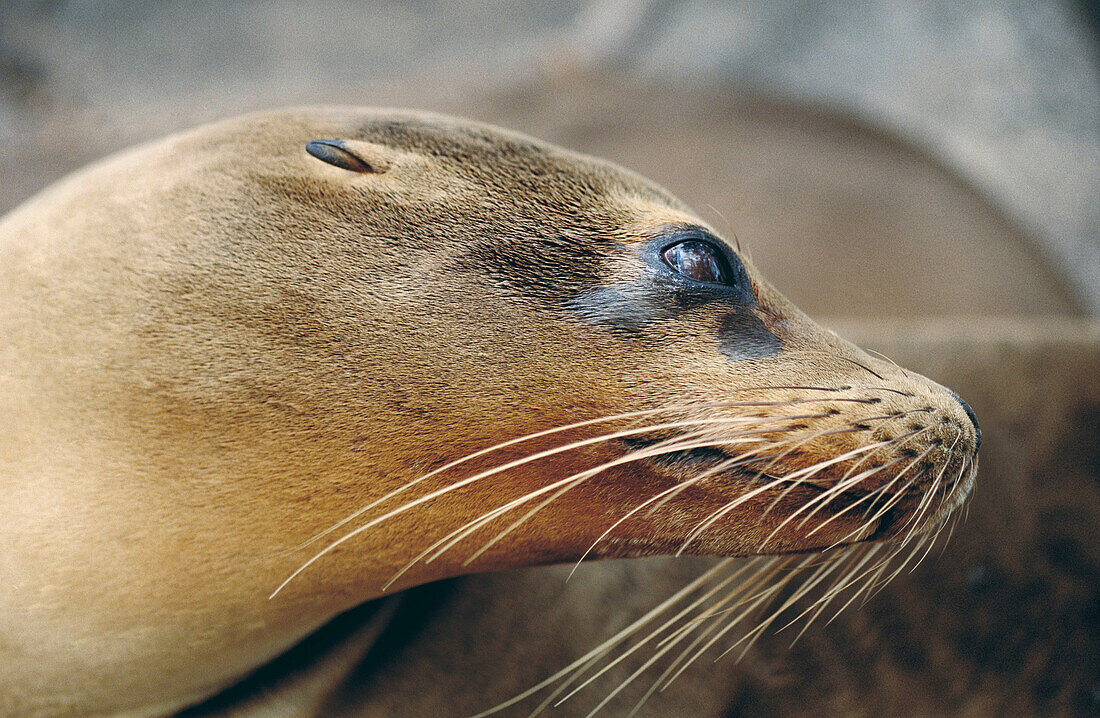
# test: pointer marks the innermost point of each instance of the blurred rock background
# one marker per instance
(920, 175)
(1004, 94)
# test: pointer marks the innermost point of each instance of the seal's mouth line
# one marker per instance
(710, 458)
(816, 509)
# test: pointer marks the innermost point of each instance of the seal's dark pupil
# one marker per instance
(697, 260)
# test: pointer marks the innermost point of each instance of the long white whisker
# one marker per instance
(497, 447)
(741, 437)
(856, 593)
(849, 577)
(825, 498)
(821, 500)
(714, 616)
(930, 495)
(843, 485)
(827, 567)
(898, 495)
(855, 503)
(916, 547)
(718, 514)
(667, 494)
(615, 639)
(653, 634)
(491, 472)
(442, 545)
(879, 491)
(630, 679)
(567, 427)
(851, 427)
(764, 598)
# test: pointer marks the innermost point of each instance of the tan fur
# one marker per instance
(217, 346)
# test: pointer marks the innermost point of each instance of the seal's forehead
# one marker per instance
(504, 158)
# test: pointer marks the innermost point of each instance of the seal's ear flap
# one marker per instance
(351, 155)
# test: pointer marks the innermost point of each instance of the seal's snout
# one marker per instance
(973, 419)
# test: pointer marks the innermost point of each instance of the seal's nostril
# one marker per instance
(973, 419)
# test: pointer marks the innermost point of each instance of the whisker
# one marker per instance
(661, 497)
(900, 493)
(559, 429)
(890, 503)
(825, 498)
(525, 460)
(630, 679)
(496, 470)
(855, 503)
(850, 577)
(857, 572)
(823, 571)
(864, 367)
(886, 358)
(846, 482)
(931, 493)
(769, 568)
(950, 532)
(884, 582)
(568, 427)
(764, 597)
(615, 639)
(877, 491)
(947, 499)
(776, 457)
(922, 508)
(855, 594)
(717, 515)
(809, 470)
(714, 616)
(448, 541)
(683, 612)
(497, 447)
(871, 580)
(570, 482)
(736, 239)
(734, 592)
(931, 542)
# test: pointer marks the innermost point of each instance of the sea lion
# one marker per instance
(416, 338)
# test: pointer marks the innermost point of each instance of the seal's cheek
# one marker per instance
(653, 314)
(625, 308)
(741, 335)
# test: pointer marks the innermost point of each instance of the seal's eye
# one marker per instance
(701, 261)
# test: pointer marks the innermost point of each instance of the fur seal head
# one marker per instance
(420, 338)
